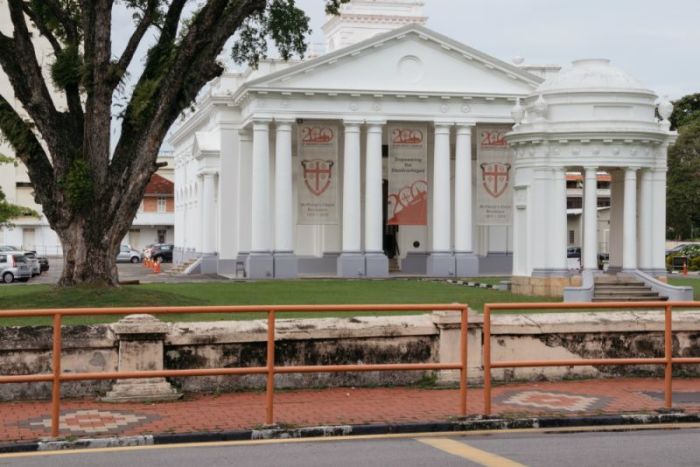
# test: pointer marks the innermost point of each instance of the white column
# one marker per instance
(351, 262)
(260, 189)
(629, 245)
(645, 220)
(658, 259)
(352, 221)
(463, 190)
(441, 189)
(590, 219)
(441, 262)
(284, 220)
(373, 189)
(207, 229)
(245, 160)
(557, 217)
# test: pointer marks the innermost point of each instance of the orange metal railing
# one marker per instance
(668, 359)
(270, 369)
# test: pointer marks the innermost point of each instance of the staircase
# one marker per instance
(180, 268)
(610, 288)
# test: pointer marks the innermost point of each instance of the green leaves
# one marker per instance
(685, 110)
(78, 185)
(67, 70)
(683, 192)
(282, 22)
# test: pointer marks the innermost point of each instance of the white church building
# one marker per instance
(401, 150)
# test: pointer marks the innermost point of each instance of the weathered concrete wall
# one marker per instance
(27, 349)
(401, 339)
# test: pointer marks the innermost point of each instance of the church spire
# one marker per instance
(362, 19)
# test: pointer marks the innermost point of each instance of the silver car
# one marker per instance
(128, 255)
(14, 266)
(29, 256)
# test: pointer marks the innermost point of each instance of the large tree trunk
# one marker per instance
(89, 258)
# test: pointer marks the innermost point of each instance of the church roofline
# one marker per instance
(469, 53)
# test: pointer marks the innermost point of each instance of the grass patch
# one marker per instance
(687, 281)
(277, 292)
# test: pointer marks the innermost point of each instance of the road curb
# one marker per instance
(274, 432)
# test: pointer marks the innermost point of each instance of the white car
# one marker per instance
(128, 255)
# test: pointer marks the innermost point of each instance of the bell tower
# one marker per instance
(361, 19)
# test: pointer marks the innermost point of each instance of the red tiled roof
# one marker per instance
(160, 186)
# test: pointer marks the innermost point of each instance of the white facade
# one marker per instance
(237, 171)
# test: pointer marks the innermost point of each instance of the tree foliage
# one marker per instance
(683, 183)
(88, 193)
(685, 110)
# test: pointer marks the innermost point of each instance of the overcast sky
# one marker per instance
(657, 41)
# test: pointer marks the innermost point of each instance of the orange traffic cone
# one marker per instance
(156, 267)
(685, 267)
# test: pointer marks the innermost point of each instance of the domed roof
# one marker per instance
(590, 74)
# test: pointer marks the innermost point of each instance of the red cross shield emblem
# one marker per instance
(495, 177)
(317, 175)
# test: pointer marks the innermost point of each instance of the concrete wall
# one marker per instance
(404, 339)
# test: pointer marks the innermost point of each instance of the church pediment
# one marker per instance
(411, 59)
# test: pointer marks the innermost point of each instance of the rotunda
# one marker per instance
(589, 118)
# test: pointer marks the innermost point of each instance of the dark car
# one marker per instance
(43, 263)
(162, 252)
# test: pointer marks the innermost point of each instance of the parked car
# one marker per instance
(14, 266)
(128, 255)
(43, 263)
(162, 252)
(30, 256)
(573, 252)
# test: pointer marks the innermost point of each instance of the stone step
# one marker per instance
(620, 283)
(621, 290)
(630, 299)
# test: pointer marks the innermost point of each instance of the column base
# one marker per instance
(142, 390)
(376, 264)
(351, 265)
(441, 264)
(466, 264)
(260, 265)
(286, 265)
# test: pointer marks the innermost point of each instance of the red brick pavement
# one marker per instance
(237, 411)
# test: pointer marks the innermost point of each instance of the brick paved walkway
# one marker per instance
(88, 418)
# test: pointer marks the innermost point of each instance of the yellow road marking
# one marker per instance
(330, 439)
(456, 448)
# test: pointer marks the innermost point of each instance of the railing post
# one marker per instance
(270, 391)
(487, 360)
(56, 383)
(668, 355)
(463, 355)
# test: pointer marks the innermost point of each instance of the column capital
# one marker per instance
(261, 119)
(443, 124)
(244, 134)
(285, 120)
(376, 122)
(353, 122)
(207, 173)
(464, 128)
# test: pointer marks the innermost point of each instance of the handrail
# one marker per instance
(668, 360)
(56, 377)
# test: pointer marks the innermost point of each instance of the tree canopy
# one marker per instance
(88, 193)
(683, 183)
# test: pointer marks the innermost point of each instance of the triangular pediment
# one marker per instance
(411, 59)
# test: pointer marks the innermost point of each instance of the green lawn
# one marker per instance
(246, 293)
(691, 282)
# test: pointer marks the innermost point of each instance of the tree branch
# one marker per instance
(19, 62)
(149, 16)
(43, 28)
(28, 149)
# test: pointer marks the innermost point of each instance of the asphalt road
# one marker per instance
(639, 448)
